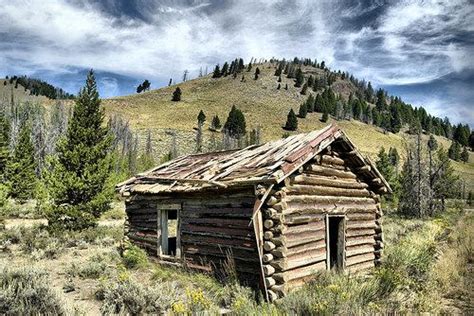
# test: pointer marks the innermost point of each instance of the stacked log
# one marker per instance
(295, 229)
(216, 229)
(141, 228)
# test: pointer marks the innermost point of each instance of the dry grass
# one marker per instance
(263, 105)
(18, 93)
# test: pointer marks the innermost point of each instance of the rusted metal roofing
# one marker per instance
(267, 163)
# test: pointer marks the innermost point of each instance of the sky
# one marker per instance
(422, 51)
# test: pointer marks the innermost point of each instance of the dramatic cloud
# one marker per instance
(397, 45)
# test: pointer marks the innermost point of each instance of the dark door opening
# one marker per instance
(335, 242)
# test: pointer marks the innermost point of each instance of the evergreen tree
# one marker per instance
(454, 151)
(464, 157)
(356, 109)
(291, 121)
(257, 73)
(235, 124)
(386, 167)
(304, 89)
(325, 116)
(139, 88)
(201, 118)
(216, 123)
(299, 78)
(176, 95)
(310, 103)
(381, 102)
(225, 69)
(319, 103)
(22, 166)
(303, 110)
(217, 72)
(249, 68)
(78, 178)
(395, 120)
(394, 157)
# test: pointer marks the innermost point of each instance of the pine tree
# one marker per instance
(217, 72)
(464, 157)
(325, 116)
(176, 95)
(235, 124)
(304, 89)
(257, 73)
(310, 103)
(225, 69)
(381, 102)
(291, 121)
(386, 168)
(454, 151)
(139, 88)
(201, 118)
(216, 123)
(299, 78)
(395, 120)
(21, 167)
(303, 110)
(78, 178)
(394, 157)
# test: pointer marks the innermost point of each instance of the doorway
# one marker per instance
(335, 240)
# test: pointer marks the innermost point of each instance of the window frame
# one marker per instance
(162, 230)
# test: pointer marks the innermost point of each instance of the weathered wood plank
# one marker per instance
(312, 189)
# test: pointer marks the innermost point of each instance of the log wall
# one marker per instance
(295, 227)
(215, 230)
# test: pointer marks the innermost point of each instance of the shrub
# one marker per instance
(130, 297)
(89, 270)
(68, 217)
(134, 257)
(26, 291)
(126, 297)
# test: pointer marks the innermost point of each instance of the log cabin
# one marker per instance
(275, 213)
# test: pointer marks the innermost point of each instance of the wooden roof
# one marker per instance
(267, 163)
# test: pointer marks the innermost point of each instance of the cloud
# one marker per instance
(388, 43)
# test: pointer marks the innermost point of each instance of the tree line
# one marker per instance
(39, 87)
(365, 104)
(69, 160)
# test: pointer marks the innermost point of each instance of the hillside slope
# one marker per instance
(19, 93)
(263, 105)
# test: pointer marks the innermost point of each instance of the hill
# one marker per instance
(262, 104)
(20, 93)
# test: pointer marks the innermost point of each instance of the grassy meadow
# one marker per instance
(263, 105)
(427, 268)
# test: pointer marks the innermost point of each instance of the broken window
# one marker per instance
(168, 231)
